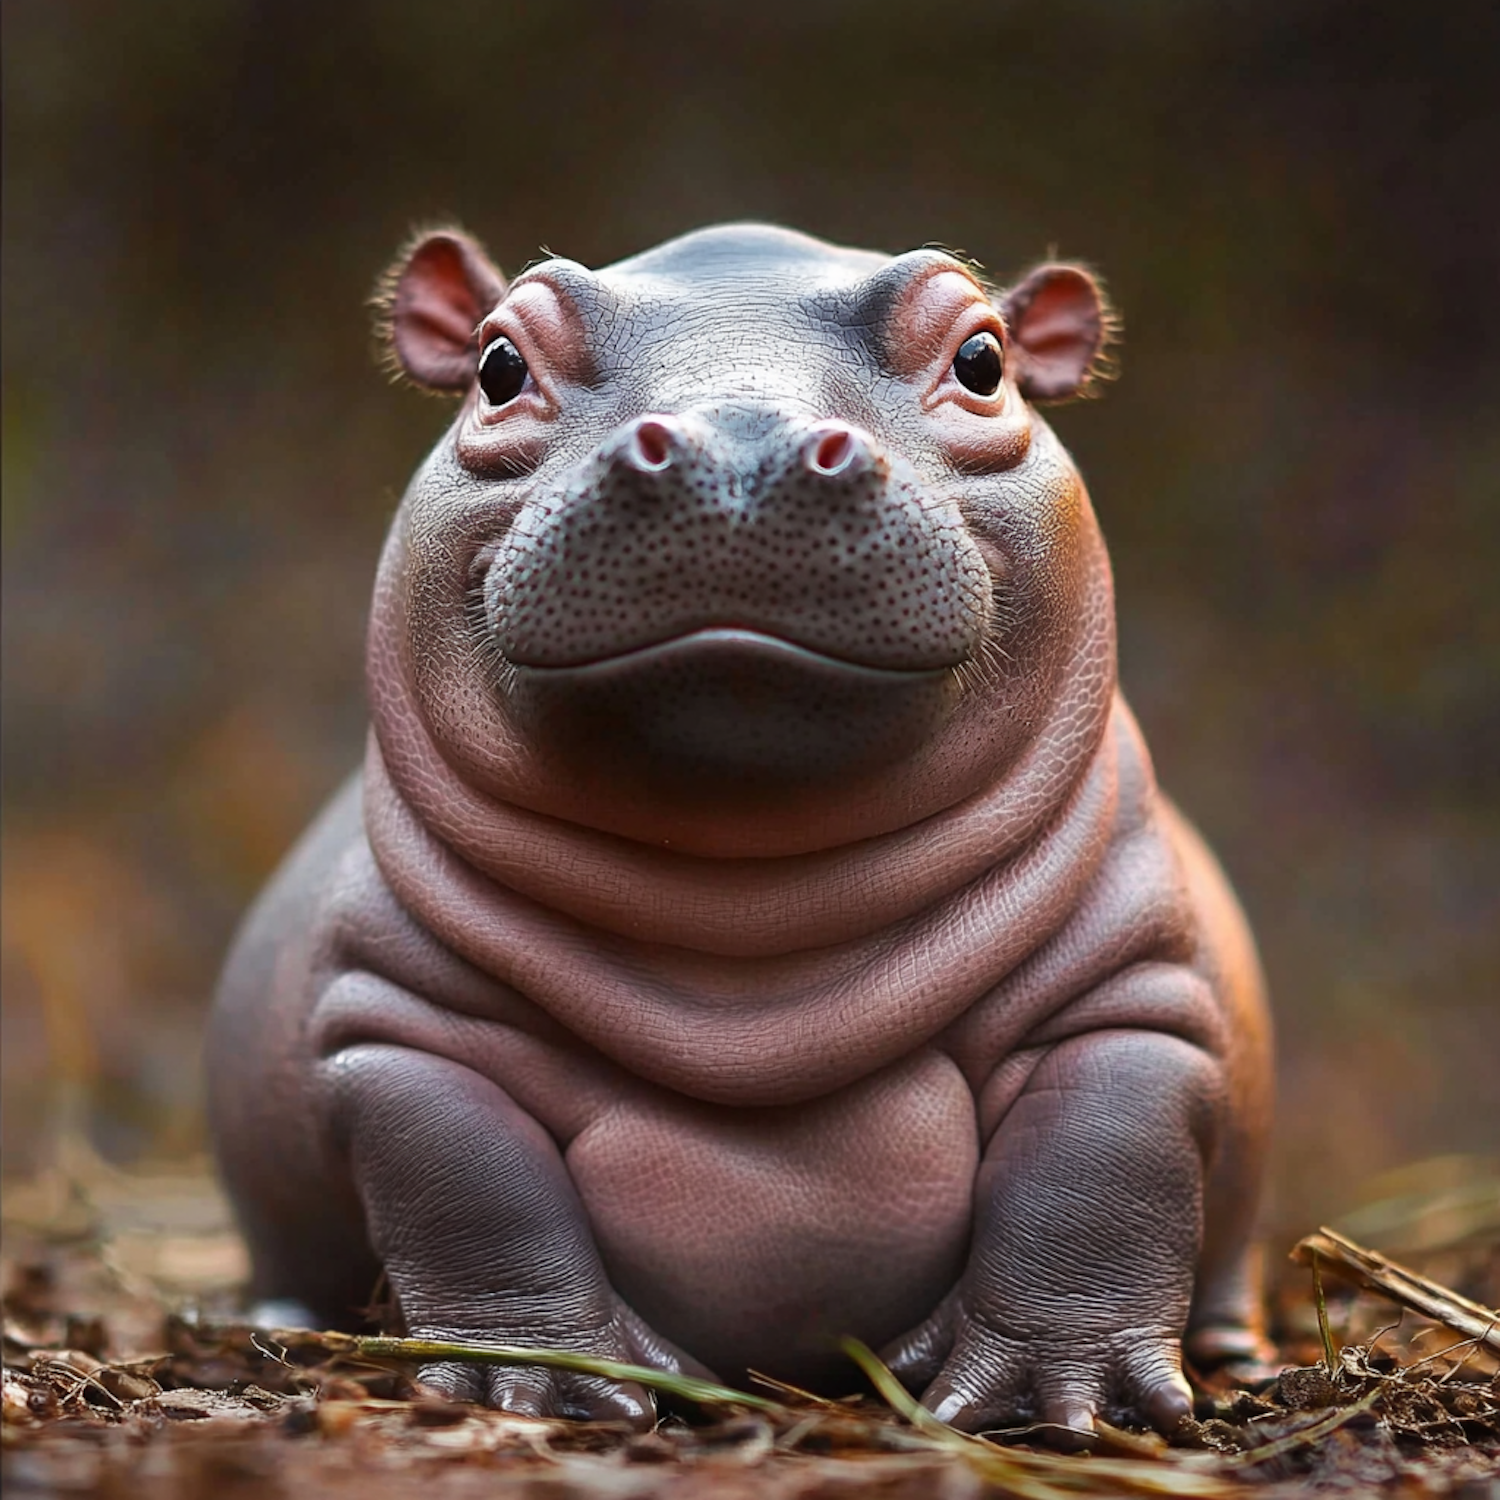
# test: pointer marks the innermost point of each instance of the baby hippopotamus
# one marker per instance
(756, 920)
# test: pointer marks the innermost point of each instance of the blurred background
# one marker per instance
(1294, 204)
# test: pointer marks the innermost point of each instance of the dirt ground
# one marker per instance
(127, 1375)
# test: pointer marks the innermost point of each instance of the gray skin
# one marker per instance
(757, 920)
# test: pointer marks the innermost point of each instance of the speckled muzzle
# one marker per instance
(730, 590)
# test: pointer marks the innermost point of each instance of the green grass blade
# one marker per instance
(424, 1351)
(1041, 1476)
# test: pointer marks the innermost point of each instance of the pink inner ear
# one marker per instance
(445, 288)
(1056, 316)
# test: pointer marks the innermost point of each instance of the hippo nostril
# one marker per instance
(834, 451)
(651, 445)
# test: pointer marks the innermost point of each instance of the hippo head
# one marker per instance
(748, 544)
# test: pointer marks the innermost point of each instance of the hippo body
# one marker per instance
(756, 920)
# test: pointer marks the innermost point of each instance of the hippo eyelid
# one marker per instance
(874, 304)
(572, 282)
(577, 294)
(979, 317)
(502, 325)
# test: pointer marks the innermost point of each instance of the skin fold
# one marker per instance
(756, 920)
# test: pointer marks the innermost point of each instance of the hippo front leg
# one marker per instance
(471, 1210)
(1088, 1222)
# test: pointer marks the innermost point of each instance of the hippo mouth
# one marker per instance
(731, 640)
(730, 703)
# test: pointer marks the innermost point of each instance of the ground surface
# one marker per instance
(126, 1375)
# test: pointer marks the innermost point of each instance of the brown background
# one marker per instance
(1299, 474)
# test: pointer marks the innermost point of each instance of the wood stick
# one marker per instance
(1377, 1273)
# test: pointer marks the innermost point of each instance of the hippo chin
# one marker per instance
(723, 712)
(757, 920)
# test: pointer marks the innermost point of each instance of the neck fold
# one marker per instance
(747, 981)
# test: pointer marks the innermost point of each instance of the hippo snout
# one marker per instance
(736, 592)
(806, 532)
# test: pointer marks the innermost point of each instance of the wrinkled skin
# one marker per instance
(757, 920)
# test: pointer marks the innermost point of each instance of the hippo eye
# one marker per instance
(502, 372)
(979, 364)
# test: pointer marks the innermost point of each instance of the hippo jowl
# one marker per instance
(756, 919)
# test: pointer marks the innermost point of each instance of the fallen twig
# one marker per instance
(1377, 1273)
(1312, 1433)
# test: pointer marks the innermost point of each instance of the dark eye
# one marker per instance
(979, 364)
(502, 372)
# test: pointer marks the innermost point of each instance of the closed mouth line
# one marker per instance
(729, 638)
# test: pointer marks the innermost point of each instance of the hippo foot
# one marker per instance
(530, 1391)
(978, 1375)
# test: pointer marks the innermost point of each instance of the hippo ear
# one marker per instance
(428, 306)
(1060, 321)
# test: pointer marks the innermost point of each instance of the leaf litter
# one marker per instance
(128, 1373)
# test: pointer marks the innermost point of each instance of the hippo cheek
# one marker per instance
(729, 708)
